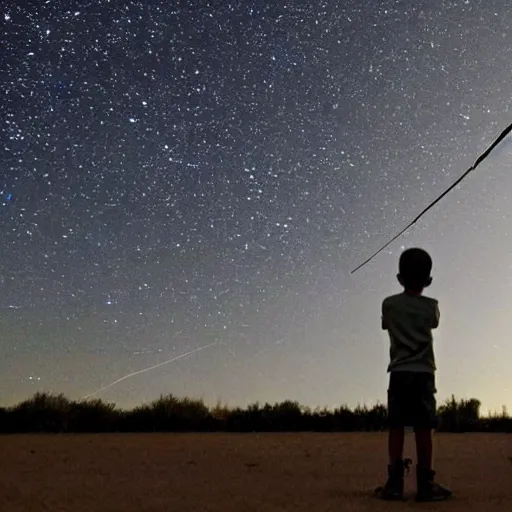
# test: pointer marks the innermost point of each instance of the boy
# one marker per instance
(409, 318)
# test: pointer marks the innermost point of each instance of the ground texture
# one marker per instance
(239, 472)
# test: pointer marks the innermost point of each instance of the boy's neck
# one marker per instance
(413, 292)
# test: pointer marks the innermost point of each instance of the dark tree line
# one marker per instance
(55, 413)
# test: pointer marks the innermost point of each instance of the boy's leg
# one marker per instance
(393, 489)
(426, 420)
(394, 486)
(396, 444)
(424, 447)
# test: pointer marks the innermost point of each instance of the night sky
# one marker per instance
(175, 177)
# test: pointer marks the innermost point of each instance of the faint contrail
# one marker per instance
(147, 370)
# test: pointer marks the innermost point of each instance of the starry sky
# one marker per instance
(180, 174)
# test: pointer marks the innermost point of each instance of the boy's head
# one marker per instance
(414, 270)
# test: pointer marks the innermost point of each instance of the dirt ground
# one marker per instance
(239, 472)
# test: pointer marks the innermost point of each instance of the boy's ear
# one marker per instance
(399, 277)
(429, 281)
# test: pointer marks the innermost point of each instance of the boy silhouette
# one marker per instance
(409, 318)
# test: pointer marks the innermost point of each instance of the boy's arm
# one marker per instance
(437, 314)
(384, 316)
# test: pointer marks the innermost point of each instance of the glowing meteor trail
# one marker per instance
(144, 370)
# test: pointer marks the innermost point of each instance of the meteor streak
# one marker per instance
(144, 370)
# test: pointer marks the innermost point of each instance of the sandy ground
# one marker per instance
(239, 472)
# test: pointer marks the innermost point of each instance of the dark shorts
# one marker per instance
(411, 400)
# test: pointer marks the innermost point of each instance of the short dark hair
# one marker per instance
(414, 267)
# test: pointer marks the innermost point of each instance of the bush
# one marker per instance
(45, 412)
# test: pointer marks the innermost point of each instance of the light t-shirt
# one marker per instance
(409, 320)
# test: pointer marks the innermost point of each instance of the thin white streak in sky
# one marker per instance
(144, 370)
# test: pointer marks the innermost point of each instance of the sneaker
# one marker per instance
(393, 489)
(428, 488)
